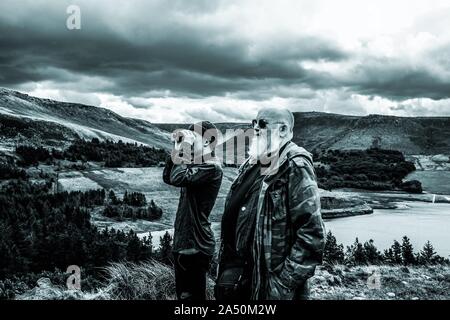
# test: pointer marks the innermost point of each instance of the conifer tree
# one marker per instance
(427, 254)
(407, 252)
(165, 248)
(333, 252)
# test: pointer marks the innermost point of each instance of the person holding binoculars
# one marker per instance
(193, 168)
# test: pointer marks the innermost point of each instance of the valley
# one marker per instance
(59, 147)
(355, 204)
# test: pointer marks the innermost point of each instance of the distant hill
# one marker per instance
(318, 130)
(24, 118)
(44, 121)
(411, 135)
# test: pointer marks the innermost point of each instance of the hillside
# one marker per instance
(318, 130)
(411, 135)
(24, 118)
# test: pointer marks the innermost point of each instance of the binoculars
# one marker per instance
(178, 136)
(183, 136)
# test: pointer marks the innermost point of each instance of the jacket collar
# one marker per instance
(279, 165)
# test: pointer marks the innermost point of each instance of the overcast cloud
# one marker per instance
(176, 61)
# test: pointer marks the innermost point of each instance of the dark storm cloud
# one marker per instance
(396, 80)
(184, 59)
(158, 46)
(185, 65)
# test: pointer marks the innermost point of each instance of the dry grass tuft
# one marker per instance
(150, 280)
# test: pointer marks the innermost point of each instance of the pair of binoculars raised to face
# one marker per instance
(184, 136)
(178, 136)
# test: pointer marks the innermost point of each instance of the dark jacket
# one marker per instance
(200, 184)
(289, 233)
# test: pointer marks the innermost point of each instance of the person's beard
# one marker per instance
(264, 145)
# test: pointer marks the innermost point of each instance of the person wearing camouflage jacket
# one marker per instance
(288, 236)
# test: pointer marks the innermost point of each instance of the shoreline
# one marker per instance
(354, 202)
(328, 214)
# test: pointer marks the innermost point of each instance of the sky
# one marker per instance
(222, 60)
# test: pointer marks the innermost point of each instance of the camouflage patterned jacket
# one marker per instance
(289, 234)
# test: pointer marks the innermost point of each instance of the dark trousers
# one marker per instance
(190, 275)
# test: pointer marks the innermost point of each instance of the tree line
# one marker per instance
(371, 169)
(8, 171)
(43, 231)
(367, 253)
(131, 206)
(113, 154)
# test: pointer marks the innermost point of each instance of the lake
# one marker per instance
(419, 221)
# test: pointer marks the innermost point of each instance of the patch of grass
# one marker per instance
(419, 283)
(150, 280)
(153, 280)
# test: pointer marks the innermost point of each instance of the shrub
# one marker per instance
(333, 252)
(413, 186)
(11, 172)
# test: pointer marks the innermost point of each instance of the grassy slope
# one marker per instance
(411, 135)
(343, 283)
(145, 180)
(155, 281)
(77, 119)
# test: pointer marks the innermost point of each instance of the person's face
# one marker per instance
(269, 120)
(269, 133)
(198, 148)
(271, 128)
(200, 145)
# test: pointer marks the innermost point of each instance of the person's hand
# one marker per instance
(277, 290)
(183, 148)
(183, 138)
